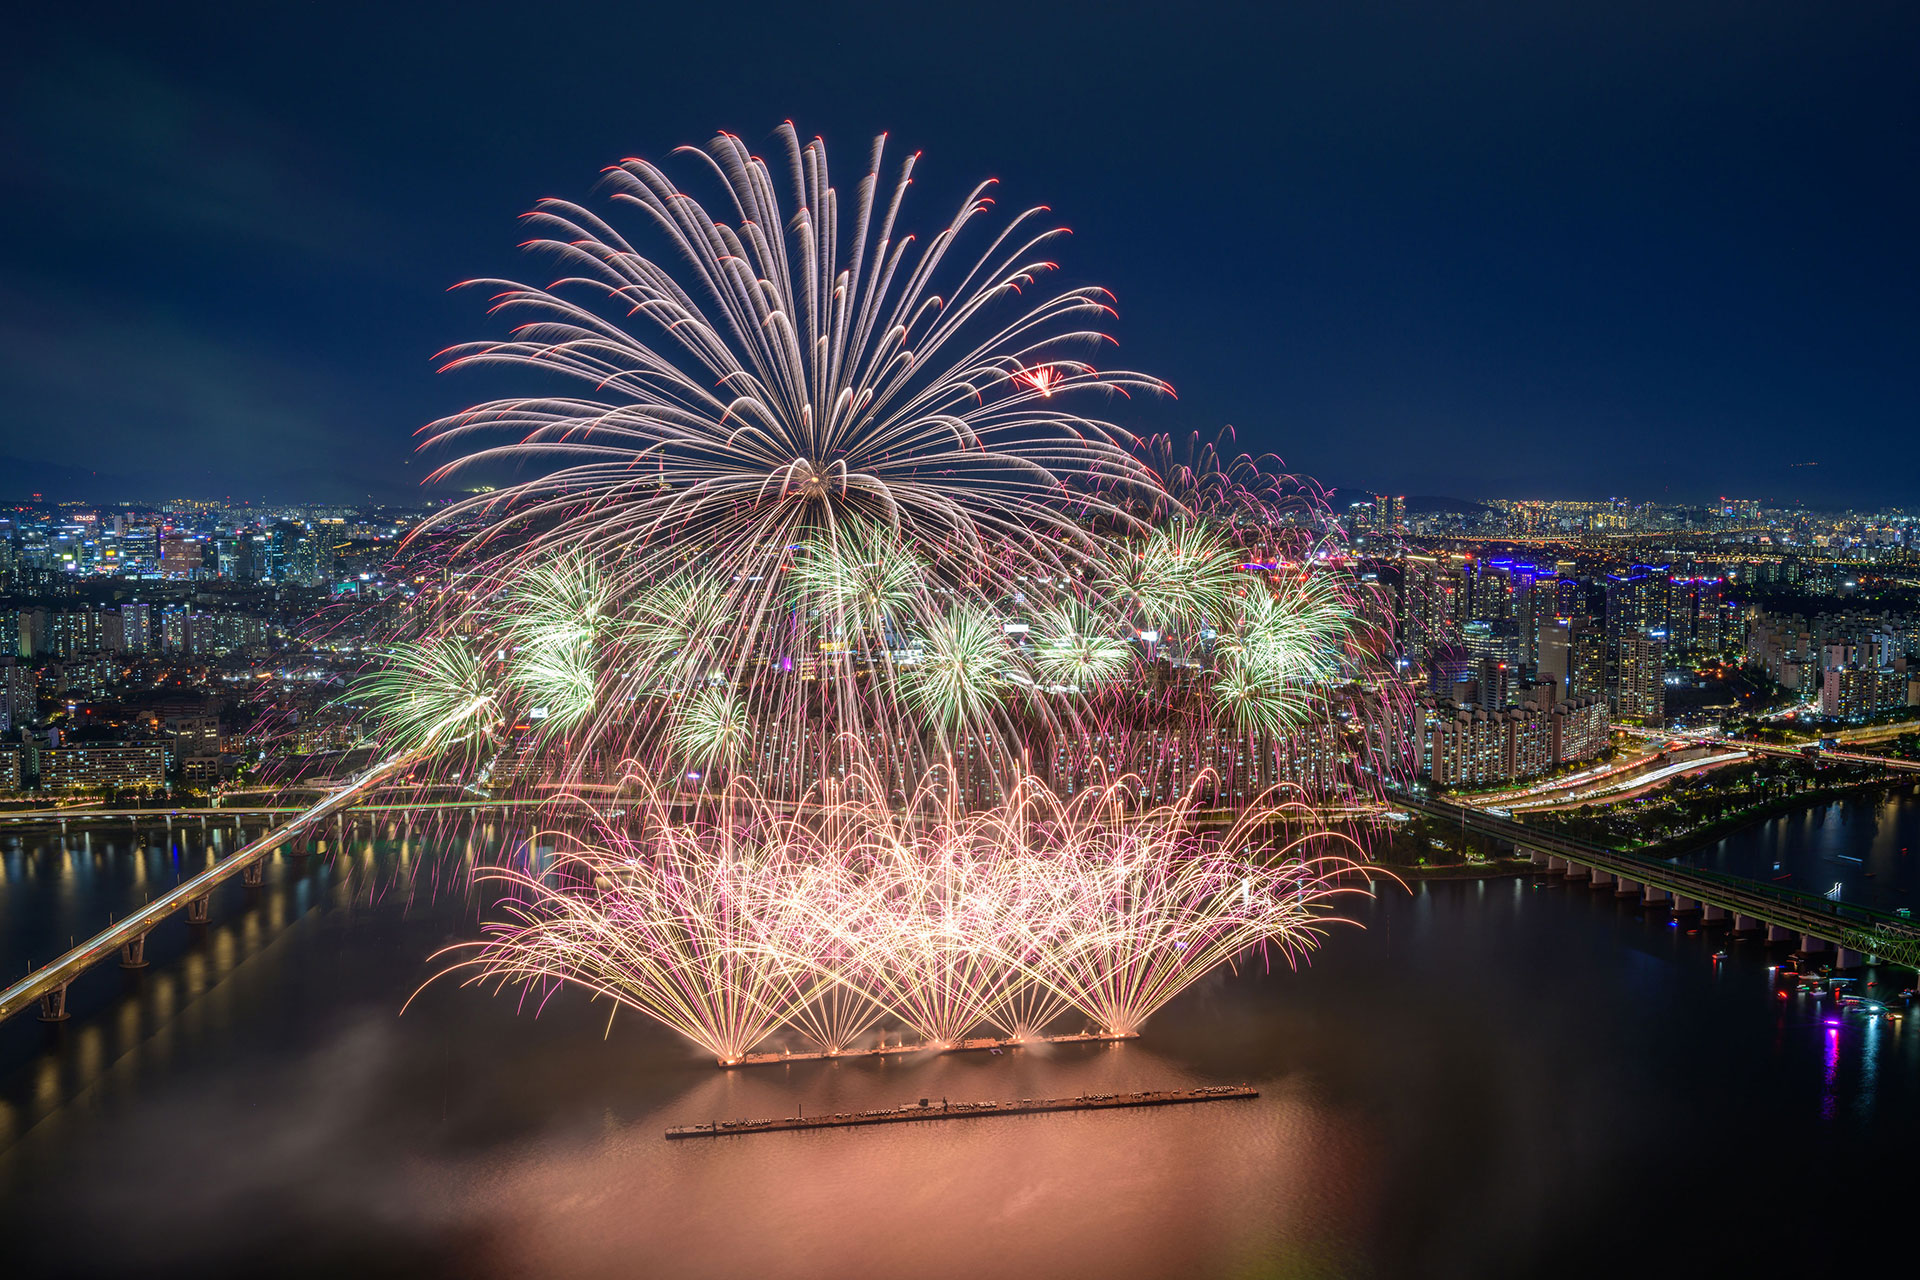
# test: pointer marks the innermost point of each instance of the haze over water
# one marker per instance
(1489, 1078)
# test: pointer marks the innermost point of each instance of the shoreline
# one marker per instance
(1666, 851)
(1785, 806)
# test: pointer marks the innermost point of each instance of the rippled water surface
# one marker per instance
(1487, 1078)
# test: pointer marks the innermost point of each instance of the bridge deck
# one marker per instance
(53, 978)
(1855, 927)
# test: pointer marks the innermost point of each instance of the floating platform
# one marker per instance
(927, 1109)
(976, 1045)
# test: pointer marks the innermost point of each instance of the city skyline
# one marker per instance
(1286, 638)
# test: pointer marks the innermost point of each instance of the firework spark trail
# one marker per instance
(817, 476)
(431, 694)
(790, 382)
(658, 924)
(828, 919)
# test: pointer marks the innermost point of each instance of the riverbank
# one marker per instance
(1779, 807)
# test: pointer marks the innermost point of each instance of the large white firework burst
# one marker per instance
(842, 433)
(783, 370)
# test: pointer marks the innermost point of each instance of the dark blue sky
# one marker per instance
(1478, 249)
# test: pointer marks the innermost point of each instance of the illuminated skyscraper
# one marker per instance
(1639, 691)
(179, 558)
(1494, 648)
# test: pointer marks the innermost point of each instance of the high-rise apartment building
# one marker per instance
(111, 765)
(1588, 677)
(1637, 600)
(1531, 606)
(1639, 688)
(1493, 590)
(136, 627)
(1555, 661)
(32, 632)
(1638, 605)
(1699, 620)
(19, 694)
(1419, 596)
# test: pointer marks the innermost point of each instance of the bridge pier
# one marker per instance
(1685, 906)
(1628, 888)
(1577, 872)
(1652, 897)
(1810, 945)
(1849, 959)
(1713, 915)
(200, 910)
(1556, 864)
(1537, 858)
(53, 1005)
(1745, 924)
(1779, 933)
(133, 954)
(1601, 879)
(254, 874)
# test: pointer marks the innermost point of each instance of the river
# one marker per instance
(1483, 1078)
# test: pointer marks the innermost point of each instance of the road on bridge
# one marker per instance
(1864, 929)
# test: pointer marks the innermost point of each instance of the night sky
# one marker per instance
(1661, 251)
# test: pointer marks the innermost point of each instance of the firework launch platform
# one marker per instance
(927, 1109)
(980, 1044)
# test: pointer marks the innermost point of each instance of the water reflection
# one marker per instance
(1487, 1079)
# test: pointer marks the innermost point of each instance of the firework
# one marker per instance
(963, 671)
(817, 479)
(863, 580)
(556, 626)
(711, 728)
(1184, 575)
(658, 925)
(1077, 647)
(794, 389)
(753, 918)
(431, 693)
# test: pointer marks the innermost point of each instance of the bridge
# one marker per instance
(1820, 924)
(71, 814)
(47, 986)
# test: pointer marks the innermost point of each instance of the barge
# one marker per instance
(974, 1045)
